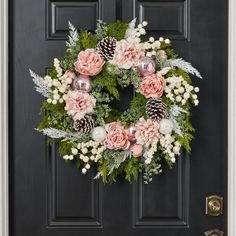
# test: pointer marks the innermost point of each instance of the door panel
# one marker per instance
(50, 198)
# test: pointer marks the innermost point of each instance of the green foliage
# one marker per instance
(115, 163)
(137, 110)
(131, 169)
(107, 82)
(70, 56)
(114, 115)
(154, 168)
(55, 117)
(87, 40)
(117, 29)
(52, 72)
(187, 130)
(64, 148)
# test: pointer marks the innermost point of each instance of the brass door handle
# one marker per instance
(214, 205)
(214, 232)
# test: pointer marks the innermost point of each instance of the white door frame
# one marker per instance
(4, 229)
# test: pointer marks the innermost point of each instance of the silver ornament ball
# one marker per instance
(82, 83)
(166, 126)
(146, 66)
(99, 134)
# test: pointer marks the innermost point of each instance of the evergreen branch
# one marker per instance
(184, 65)
(73, 35)
(40, 86)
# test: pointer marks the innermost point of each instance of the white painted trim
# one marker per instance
(4, 118)
(4, 231)
(232, 120)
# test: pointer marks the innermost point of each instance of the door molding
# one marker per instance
(231, 119)
(4, 118)
(4, 215)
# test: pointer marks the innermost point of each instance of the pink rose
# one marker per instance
(147, 132)
(127, 54)
(152, 86)
(117, 136)
(89, 62)
(137, 150)
(162, 54)
(78, 104)
(70, 74)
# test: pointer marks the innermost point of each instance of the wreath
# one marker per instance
(79, 90)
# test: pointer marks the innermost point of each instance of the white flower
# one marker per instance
(49, 100)
(151, 39)
(56, 96)
(87, 166)
(84, 150)
(85, 159)
(140, 26)
(161, 39)
(142, 31)
(196, 102)
(186, 96)
(181, 89)
(84, 170)
(167, 41)
(196, 89)
(148, 161)
(74, 151)
(145, 23)
(176, 149)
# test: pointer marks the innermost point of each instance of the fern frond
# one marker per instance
(184, 65)
(40, 86)
(73, 35)
(58, 134)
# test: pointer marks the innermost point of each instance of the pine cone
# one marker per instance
(84, 125)
(106, 47)
(156, 109)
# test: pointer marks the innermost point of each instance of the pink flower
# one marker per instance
(162, 54)
(89, 62)
(117, 136)
(70, 74)
(147, 132)
(78, 104)
(127, 54)
(152, 86)
(137, 150)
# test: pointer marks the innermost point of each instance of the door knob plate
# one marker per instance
(214, 205)
(214, 232)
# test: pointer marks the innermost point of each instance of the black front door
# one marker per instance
(49, 198)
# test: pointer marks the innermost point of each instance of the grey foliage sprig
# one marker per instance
(184, 65)
(40, 86)
(58, 134)
(73, 35)
(119, 160)
(175, 111)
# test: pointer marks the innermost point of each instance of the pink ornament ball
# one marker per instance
(146, 66)
(82, 83)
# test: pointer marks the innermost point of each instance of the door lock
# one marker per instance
(214, 232)
(214, 205)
